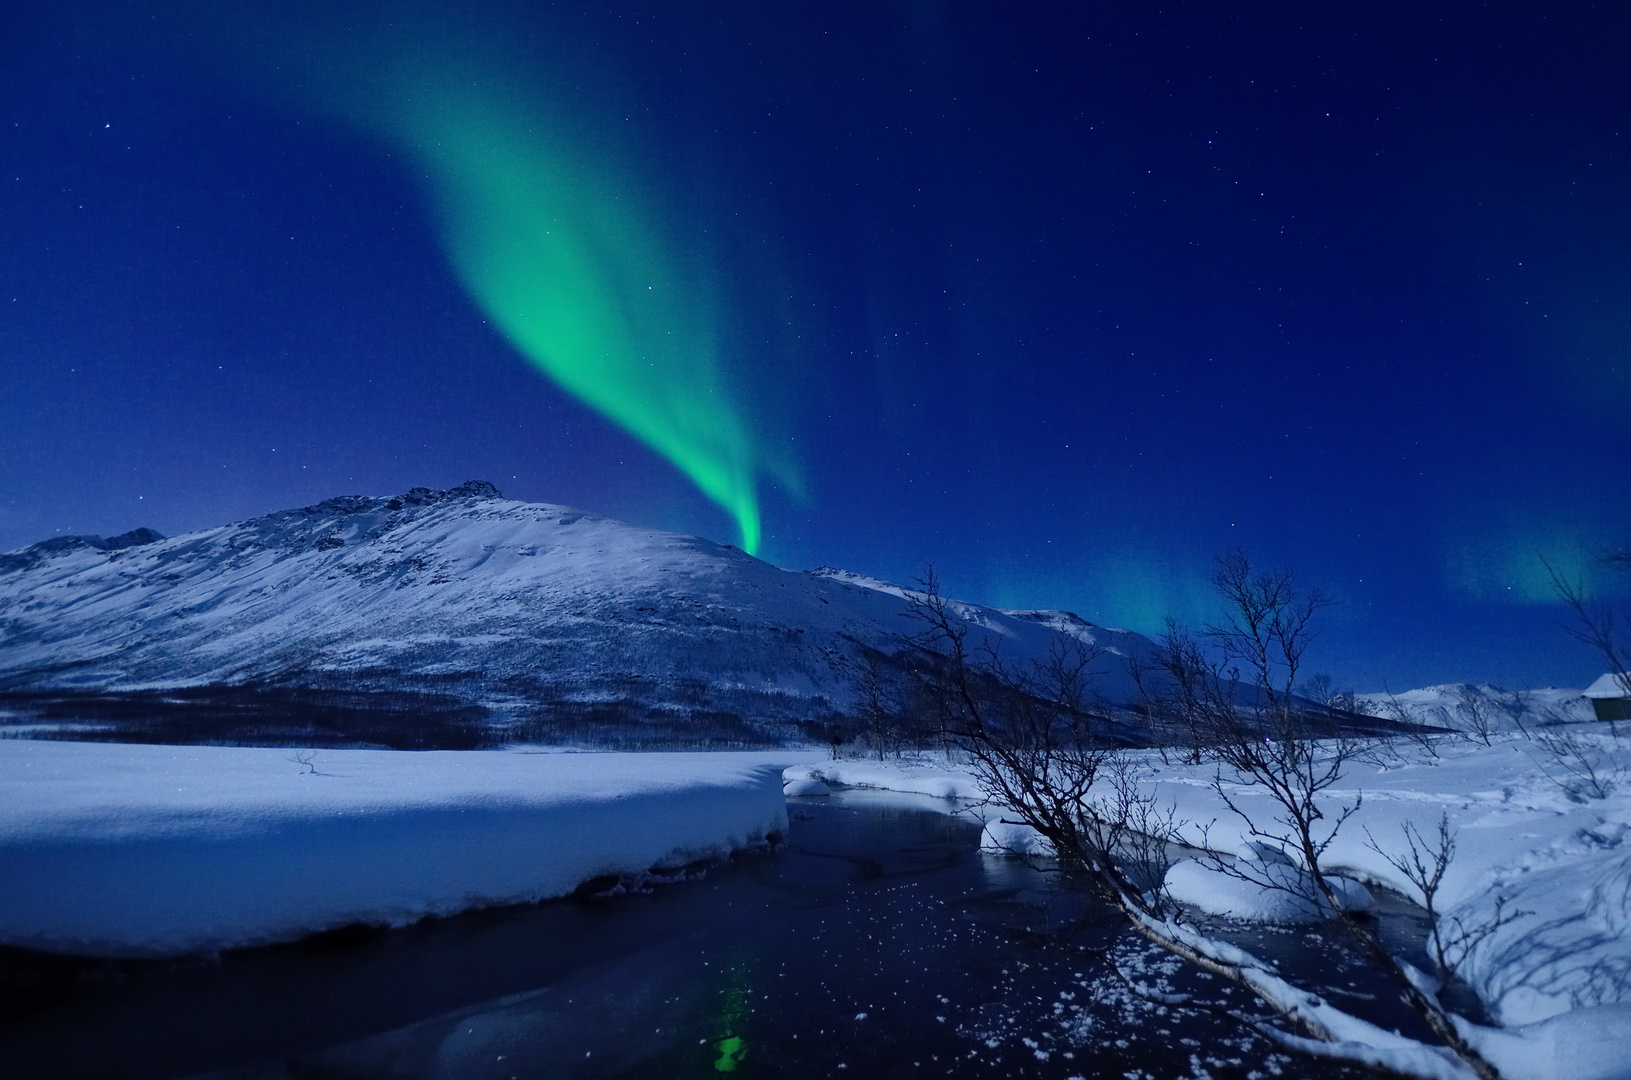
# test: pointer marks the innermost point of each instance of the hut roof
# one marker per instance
(1609, 686)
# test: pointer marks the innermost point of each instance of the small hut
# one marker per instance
(1611, 697)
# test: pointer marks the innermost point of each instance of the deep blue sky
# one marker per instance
(1065, 298)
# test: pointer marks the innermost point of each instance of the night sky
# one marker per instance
(1064, 298)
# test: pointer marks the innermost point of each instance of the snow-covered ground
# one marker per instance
(112, 849)
(1559, 975)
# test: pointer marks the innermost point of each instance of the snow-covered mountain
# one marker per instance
(462, 609)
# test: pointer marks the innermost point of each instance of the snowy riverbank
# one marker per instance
(1561, 972)
(117, 849)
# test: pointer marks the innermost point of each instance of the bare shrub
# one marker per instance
(1030, 738)
(1451, 938)
(1574, 761)
(1478, 714)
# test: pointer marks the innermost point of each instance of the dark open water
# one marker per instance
(876, 941)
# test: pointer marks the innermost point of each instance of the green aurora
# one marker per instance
(568, 265)
(548, 222)
(732, 1047)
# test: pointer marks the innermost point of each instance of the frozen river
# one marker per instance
(875, 941)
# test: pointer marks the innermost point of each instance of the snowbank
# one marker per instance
(923, 774)
(114, 849)
(1585, 1044)
(803, 780)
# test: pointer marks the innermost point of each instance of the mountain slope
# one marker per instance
(508, 615)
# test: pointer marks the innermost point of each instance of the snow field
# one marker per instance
(117, 849)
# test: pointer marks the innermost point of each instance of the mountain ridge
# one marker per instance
(538, 619)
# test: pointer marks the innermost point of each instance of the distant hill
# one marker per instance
(1469, 707)
(453, 618)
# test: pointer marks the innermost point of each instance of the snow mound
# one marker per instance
(111, 849)
(1260, 892)
(924, 775)
(1259, 851)
(803, 780)
(1014, 838)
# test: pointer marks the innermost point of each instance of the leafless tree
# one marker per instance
(1030, 738)
(876, 715)
(1412, 727)
(1241, 703)
(1519, 708)
(1575, 761)
(1480, 719)
(1278, 745)
(1167, 681)
(1028, 735)
(1451, 938)
(1322, 689)
(1594, 623)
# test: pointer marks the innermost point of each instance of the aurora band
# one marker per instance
(564, 261)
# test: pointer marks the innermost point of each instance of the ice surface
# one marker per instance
(113, 849)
